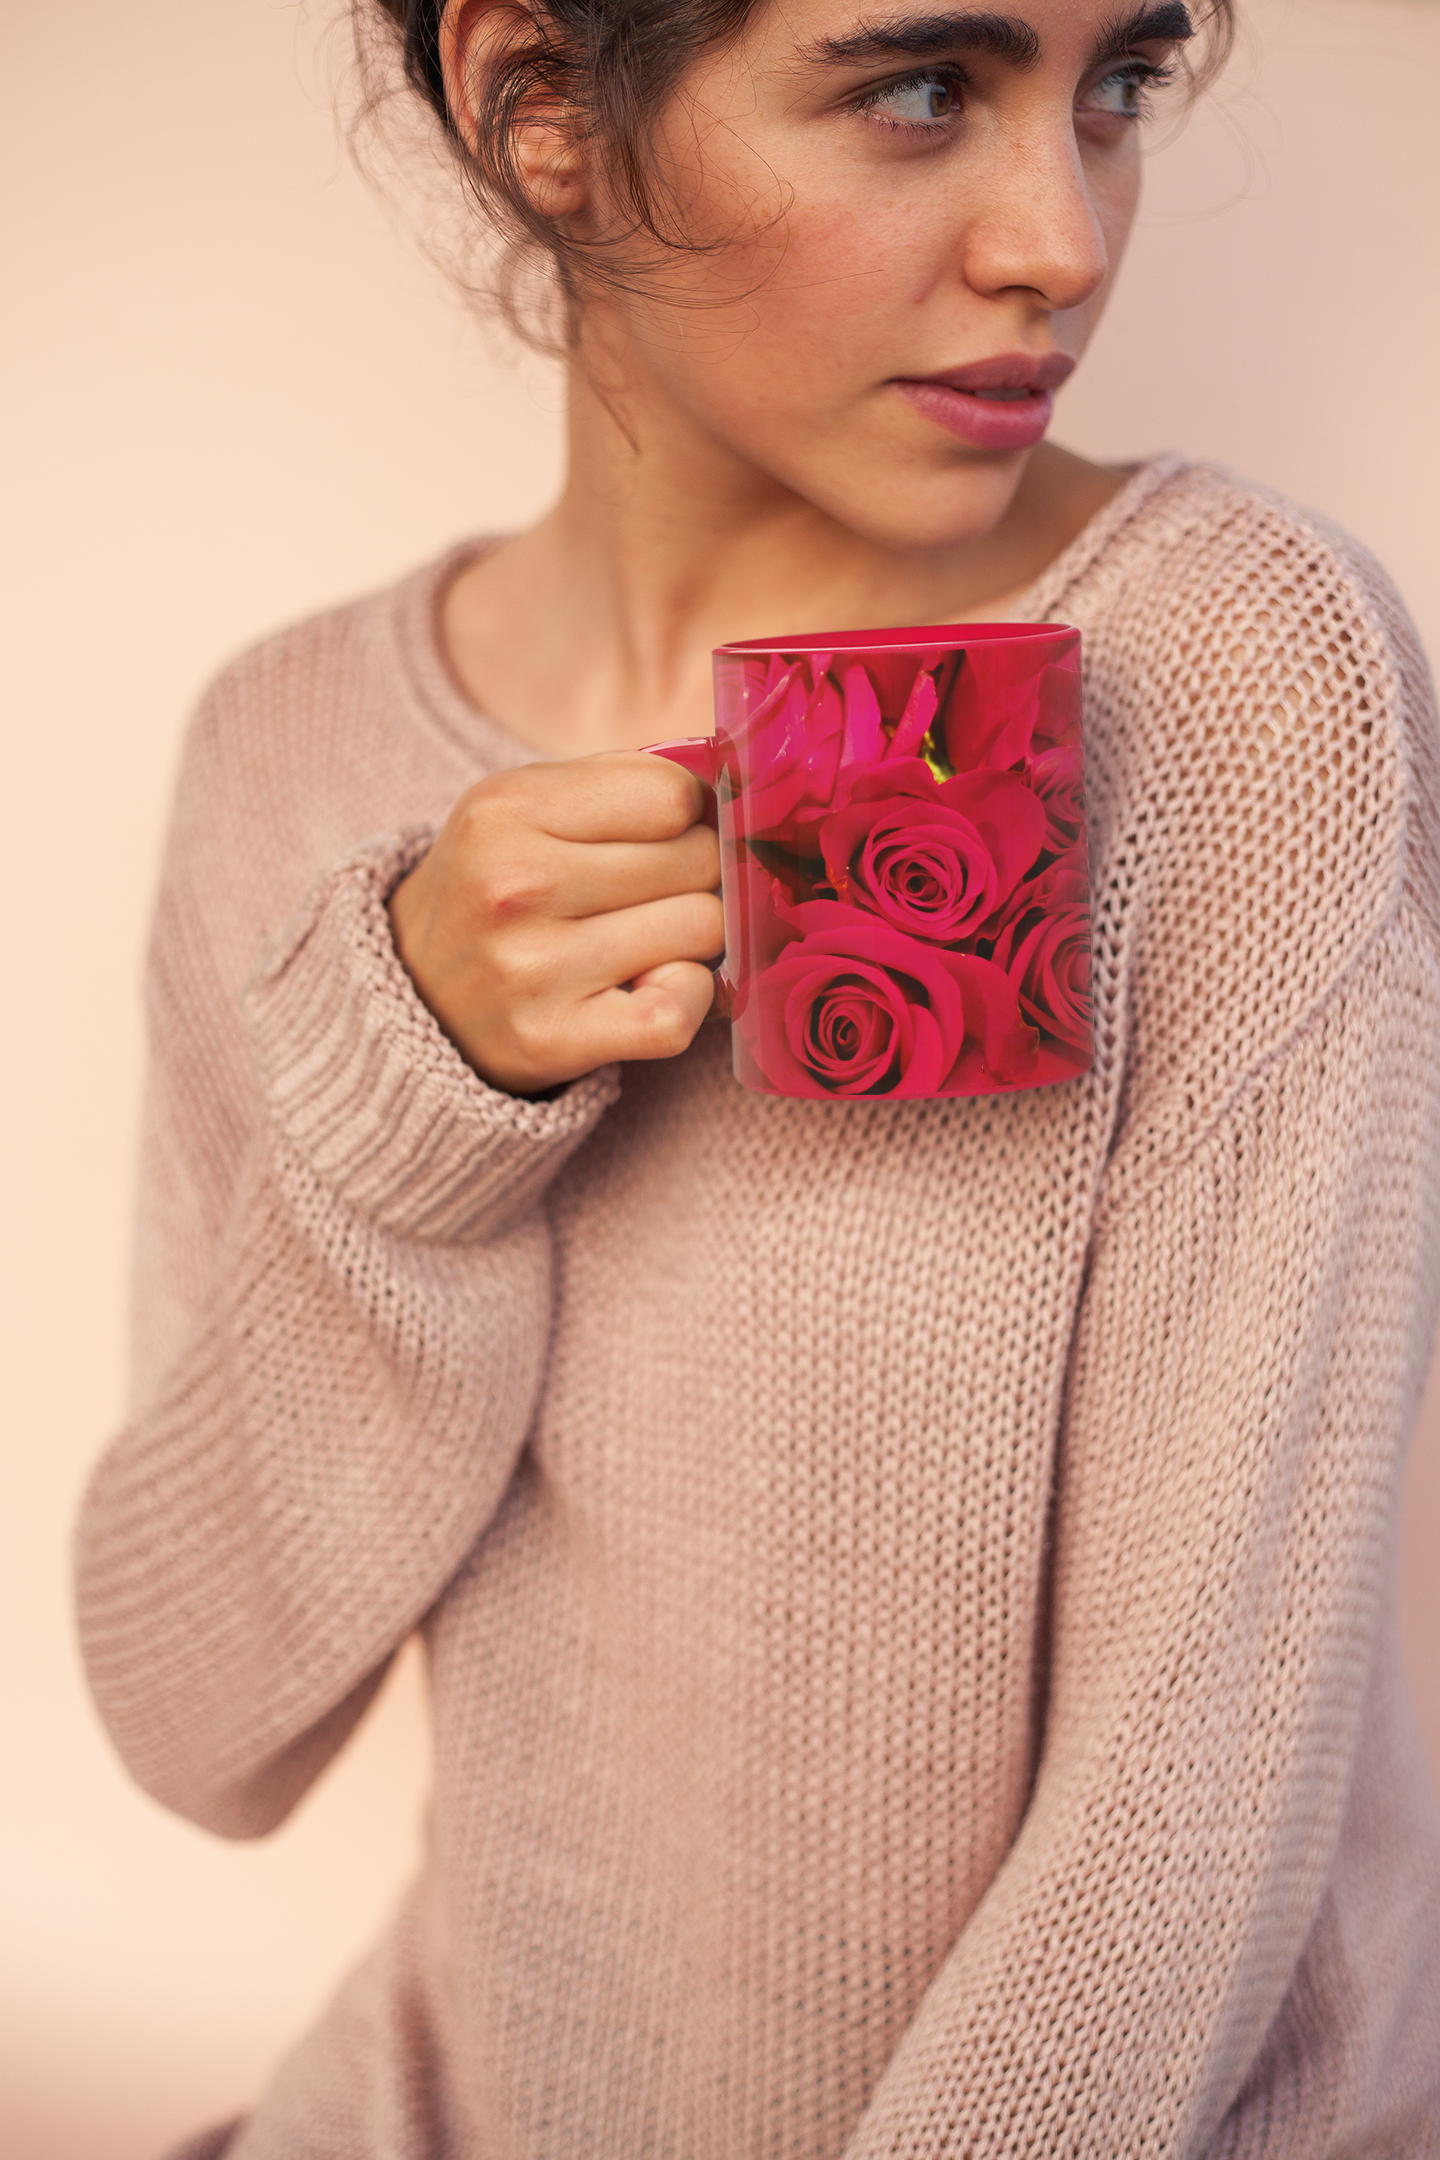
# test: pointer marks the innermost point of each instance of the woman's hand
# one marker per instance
(563, 918)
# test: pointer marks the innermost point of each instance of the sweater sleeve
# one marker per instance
(345, 1286)
(1244, 1372)
(1249, 1349)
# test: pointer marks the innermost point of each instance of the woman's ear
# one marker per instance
(476, 39)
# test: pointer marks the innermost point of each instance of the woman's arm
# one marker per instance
(1249, 1359)
(342, 1305)
(1214, 1831)
(345, 1277)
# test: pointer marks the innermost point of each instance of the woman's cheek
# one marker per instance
(1115, 195)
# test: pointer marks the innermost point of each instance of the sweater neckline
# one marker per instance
(436, 691)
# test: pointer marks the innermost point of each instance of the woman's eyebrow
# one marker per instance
(1167, 21)
(1005, 37)
(931, 37)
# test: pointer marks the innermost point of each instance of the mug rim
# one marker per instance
(928, 637)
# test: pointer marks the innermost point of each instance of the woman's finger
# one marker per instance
(608, 876)
(603, 951)
(657, 1019)
(615, 795)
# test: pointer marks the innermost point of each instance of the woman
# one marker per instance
(906, 1584)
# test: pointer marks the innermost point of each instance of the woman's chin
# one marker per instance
(922, 512)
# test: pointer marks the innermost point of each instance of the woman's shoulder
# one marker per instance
(1237, 557)
(1264, 789)
(1247, 651)
(1228, 570)
(326, 699)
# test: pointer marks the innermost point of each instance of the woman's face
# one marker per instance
(907, 222)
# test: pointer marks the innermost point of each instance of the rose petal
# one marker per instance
(815, 917)
(825, 738)
(927, 1064)
(1002, 702)
(920, 709)
(1060, 701)
(758, 918)
(844, 831)
(893, 670)
(1007, 813)
(864, 740)
(896, 776)
(1007, 1044)
(1057, 775)
(1064, 883)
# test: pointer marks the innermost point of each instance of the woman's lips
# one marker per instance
(991, 420)
(1001, 403)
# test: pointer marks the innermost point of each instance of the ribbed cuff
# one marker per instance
(370, 1093)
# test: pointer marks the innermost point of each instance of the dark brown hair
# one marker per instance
(610, 66)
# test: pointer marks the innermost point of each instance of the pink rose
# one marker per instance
(1061, 884)
(854, 1008)
(1057, 775)
(1047, 959)
(932, 858)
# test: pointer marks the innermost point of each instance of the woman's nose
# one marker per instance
(1037, 227)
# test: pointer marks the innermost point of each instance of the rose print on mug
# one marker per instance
(935, 859)
(901, 818)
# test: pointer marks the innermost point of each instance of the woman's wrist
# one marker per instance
(368, 1092)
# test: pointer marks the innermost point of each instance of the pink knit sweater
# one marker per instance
(908, 1587)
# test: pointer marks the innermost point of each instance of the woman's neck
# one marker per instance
(594, 630)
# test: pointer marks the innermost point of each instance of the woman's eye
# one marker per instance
(919, 101)
(1123, 92)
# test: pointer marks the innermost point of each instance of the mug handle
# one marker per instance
(697, 753)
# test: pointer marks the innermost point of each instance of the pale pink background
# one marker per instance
(234, 395)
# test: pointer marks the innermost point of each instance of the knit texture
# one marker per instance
(908, 1587)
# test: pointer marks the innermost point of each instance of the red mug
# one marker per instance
(903, 865)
